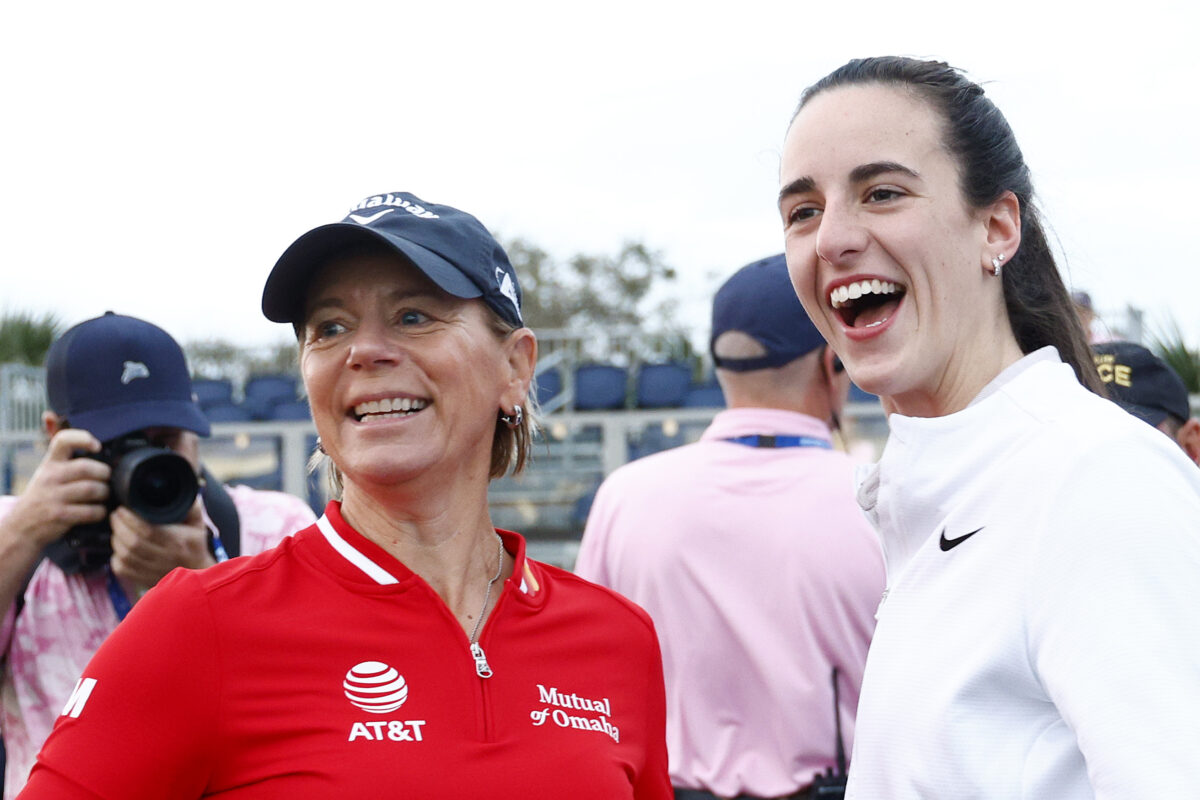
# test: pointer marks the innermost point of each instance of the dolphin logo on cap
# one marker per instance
(134, 370)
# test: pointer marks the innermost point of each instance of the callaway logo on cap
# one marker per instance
(451, 247)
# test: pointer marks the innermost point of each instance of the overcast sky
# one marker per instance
(158, 157)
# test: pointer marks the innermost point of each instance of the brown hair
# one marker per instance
(990, 163)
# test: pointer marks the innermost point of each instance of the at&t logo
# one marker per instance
(378, 688)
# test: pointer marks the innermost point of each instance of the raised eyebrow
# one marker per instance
(866, 172)
(798, 186)
(399, 296)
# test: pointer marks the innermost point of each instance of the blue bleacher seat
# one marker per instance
(600, 386)
(662, 385)
(264, 392)
(291, 410)
(227, 412)
(277, 386)
(212, 392)
(548, 384)
(582, 507)
(857, 395)
(704, 397)
(654, 439)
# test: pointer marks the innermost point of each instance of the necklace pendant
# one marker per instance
(481, 665)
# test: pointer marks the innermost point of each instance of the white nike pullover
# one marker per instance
(1040, 636)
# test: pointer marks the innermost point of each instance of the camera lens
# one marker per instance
(156, 484)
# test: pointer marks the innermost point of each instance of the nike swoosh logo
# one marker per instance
(947, 544)
(372, 218)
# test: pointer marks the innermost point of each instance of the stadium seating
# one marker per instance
(291, 410)
(857, 395)
(705, 394)
(662, 385)
(212, 392)
(264, 392)
(227, 412)
(548, 384)
(654, 439)
(600, 387)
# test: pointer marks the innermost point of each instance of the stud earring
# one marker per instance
(321, 446)
(514, 421)
(997, 263)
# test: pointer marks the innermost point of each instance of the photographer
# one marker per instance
(116, 386)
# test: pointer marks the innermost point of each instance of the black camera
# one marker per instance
(157, 484)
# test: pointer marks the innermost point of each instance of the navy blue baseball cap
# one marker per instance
(759, 301)
(1141, 382)
(114, 375)
(451, 247)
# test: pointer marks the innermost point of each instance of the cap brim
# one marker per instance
(109, 423)
(286, 288)
(1154, 416)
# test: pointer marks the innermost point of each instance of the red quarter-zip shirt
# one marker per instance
(325, 668)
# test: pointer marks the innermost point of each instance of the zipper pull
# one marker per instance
(481, 665)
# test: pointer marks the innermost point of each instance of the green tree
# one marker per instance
(25, 337)
(1173, 349)
(615, 308)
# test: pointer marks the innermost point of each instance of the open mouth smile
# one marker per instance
(388, 408)
(866, 303)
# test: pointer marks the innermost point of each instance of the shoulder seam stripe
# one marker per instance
(347, 551)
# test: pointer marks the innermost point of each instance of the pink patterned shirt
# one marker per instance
(66, 618)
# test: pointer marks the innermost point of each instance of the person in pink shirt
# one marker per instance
(110, 379)
(751, 556)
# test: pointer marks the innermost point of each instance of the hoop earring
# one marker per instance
(997, 263)
(515, 420)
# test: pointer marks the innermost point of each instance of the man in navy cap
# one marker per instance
(749, 552)
(113, 383)
(1143, 384)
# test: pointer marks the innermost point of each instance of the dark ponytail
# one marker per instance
(990, 163)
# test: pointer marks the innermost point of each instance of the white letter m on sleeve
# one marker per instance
(79, 697)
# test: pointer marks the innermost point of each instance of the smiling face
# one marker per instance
(886, 256)
(404, 379)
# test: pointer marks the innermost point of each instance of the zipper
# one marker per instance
(483, 669)
(481, 665)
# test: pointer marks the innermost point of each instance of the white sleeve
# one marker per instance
(1114, 627)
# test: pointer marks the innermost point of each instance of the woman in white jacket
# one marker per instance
(1039, 637)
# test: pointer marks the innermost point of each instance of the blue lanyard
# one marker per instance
(120, 600)
(218, 549)
(768, 440)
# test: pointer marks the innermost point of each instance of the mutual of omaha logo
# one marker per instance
(375, 687)
(595, 716)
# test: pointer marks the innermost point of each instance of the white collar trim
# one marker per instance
(372, 570)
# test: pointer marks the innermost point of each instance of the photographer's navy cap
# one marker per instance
(114, 375)
(449, 246)
(760, 302)
(1141, 382)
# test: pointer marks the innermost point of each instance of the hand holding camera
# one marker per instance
(154, 522)
(142, 552)
(64, 491)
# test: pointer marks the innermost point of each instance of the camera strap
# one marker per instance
(225, 532)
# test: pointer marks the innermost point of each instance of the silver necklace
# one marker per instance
(481, 665)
